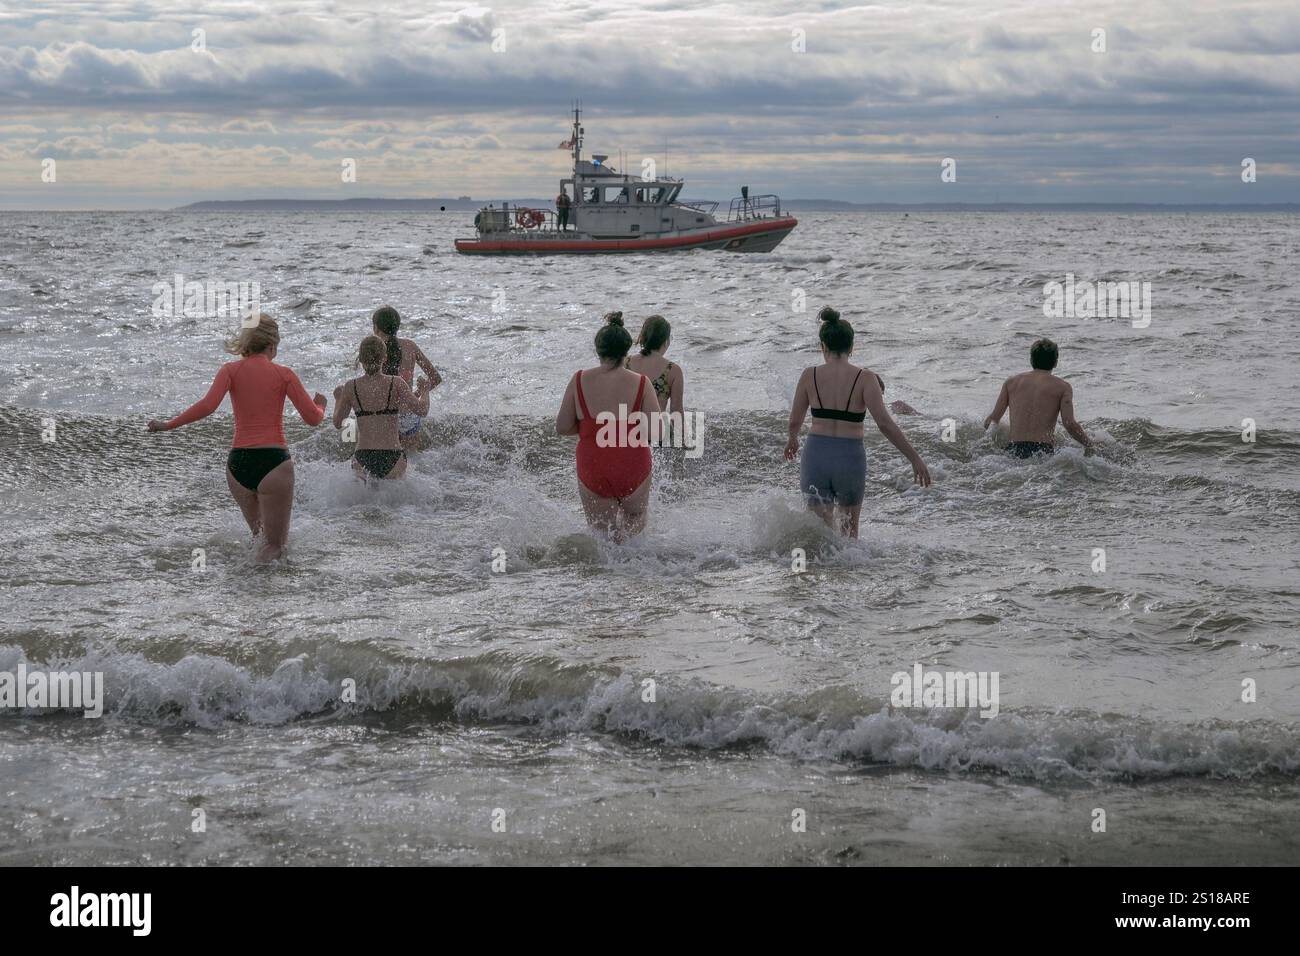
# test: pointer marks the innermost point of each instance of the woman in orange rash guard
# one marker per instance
(259, 469)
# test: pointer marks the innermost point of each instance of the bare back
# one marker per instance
(377, 399)
(651, 366)
(665, 376)
(840, 386)
(412, 356)
(1036, 401)
(605, 389)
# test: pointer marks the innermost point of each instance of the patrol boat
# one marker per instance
(609, 211)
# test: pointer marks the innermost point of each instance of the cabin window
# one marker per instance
(618, 194)
(636, 227)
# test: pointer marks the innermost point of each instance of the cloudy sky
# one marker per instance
(439, 99)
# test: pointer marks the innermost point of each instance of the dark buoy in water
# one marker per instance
(442, 209)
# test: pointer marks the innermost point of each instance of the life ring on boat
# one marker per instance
(530, 218)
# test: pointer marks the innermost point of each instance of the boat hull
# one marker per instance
(761, 236)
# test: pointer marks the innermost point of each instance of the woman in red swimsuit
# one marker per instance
(259, 470)
(600, 407)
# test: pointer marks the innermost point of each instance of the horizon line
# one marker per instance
(850, 204)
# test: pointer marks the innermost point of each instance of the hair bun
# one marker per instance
(827, 314)
(614, 318)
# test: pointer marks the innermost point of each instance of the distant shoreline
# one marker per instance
(794, 205)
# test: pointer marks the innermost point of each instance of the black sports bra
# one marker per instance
(840, 416)
(361, 412)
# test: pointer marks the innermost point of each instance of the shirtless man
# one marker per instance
(1036, 399)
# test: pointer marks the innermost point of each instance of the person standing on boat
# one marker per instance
(833, 471)
(613, 455)
(562, 209)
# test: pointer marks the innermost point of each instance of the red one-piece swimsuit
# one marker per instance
(614, 471)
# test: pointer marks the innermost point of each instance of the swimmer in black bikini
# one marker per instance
(376, 399)
(1036, 399)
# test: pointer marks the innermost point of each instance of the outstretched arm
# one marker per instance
(1067, 418)
(1004, 399)
(889, 428)
(311, 409)
(204, 407)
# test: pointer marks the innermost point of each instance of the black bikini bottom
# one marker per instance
(1028, 449)
(379, 462)
(251, 465)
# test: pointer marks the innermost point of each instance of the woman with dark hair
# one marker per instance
(613, 455)
(259, 469)
(833, 471)
(656, 335)
(400, 358)
(378, 399)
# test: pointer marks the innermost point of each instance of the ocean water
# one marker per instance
(503, 717)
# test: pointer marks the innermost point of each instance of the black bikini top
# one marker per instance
(362, 413)
(835, 413)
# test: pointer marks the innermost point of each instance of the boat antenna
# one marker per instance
(577, 133)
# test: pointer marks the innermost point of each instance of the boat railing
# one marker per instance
(754, 207)
(701, 206)
(512, 219)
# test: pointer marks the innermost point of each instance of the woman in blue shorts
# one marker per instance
(833, 471)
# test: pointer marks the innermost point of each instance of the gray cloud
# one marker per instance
(474, 23)
(1012, 89)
